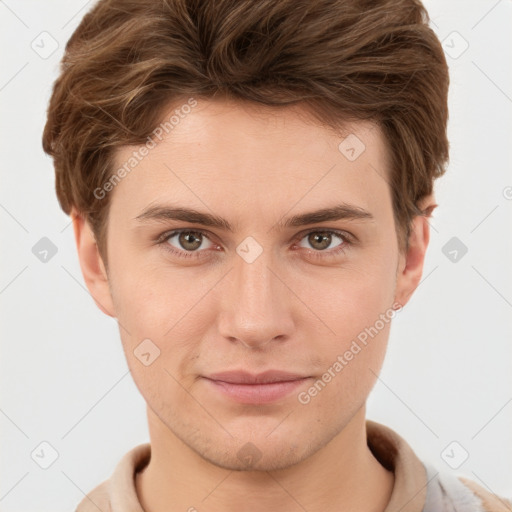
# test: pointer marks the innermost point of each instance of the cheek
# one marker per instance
(161, 313)
(358, 308)
(353, 298)
(151, 299)
(350, 369)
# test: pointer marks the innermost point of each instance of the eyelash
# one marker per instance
(348, 241)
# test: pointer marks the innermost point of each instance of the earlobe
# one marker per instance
(93, 269)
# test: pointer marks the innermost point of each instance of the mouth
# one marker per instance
(266, 387)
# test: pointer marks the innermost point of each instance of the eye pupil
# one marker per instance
(323, 238)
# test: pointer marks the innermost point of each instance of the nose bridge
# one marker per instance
(254, 285)
(254, 305)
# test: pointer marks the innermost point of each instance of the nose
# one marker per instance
(255, 304)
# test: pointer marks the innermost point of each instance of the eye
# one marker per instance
(187, 242)
(319, 241)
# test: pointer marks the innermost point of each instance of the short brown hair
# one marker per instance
(341, 59)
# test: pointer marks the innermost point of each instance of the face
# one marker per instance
(261, 288)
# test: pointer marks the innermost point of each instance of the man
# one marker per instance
(250, 185)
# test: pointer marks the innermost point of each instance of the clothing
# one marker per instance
(418, 486)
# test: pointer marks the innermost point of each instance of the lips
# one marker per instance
(243, 377)
(257, 389)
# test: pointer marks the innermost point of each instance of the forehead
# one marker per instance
(219, 120)
(261, 158)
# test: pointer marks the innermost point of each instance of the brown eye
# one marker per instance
(322, 240)
(187, 241)
(190, 240)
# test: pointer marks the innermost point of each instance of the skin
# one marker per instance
(286, 310)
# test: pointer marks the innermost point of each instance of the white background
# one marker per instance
(447, 376)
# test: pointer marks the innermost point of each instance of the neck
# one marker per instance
(343, 476)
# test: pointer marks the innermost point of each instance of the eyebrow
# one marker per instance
(342, 211)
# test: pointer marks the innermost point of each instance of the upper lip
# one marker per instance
(243, 377)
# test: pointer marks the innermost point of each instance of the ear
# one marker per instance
(410, 265)
(92, 266)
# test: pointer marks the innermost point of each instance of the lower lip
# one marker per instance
(256, 393)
